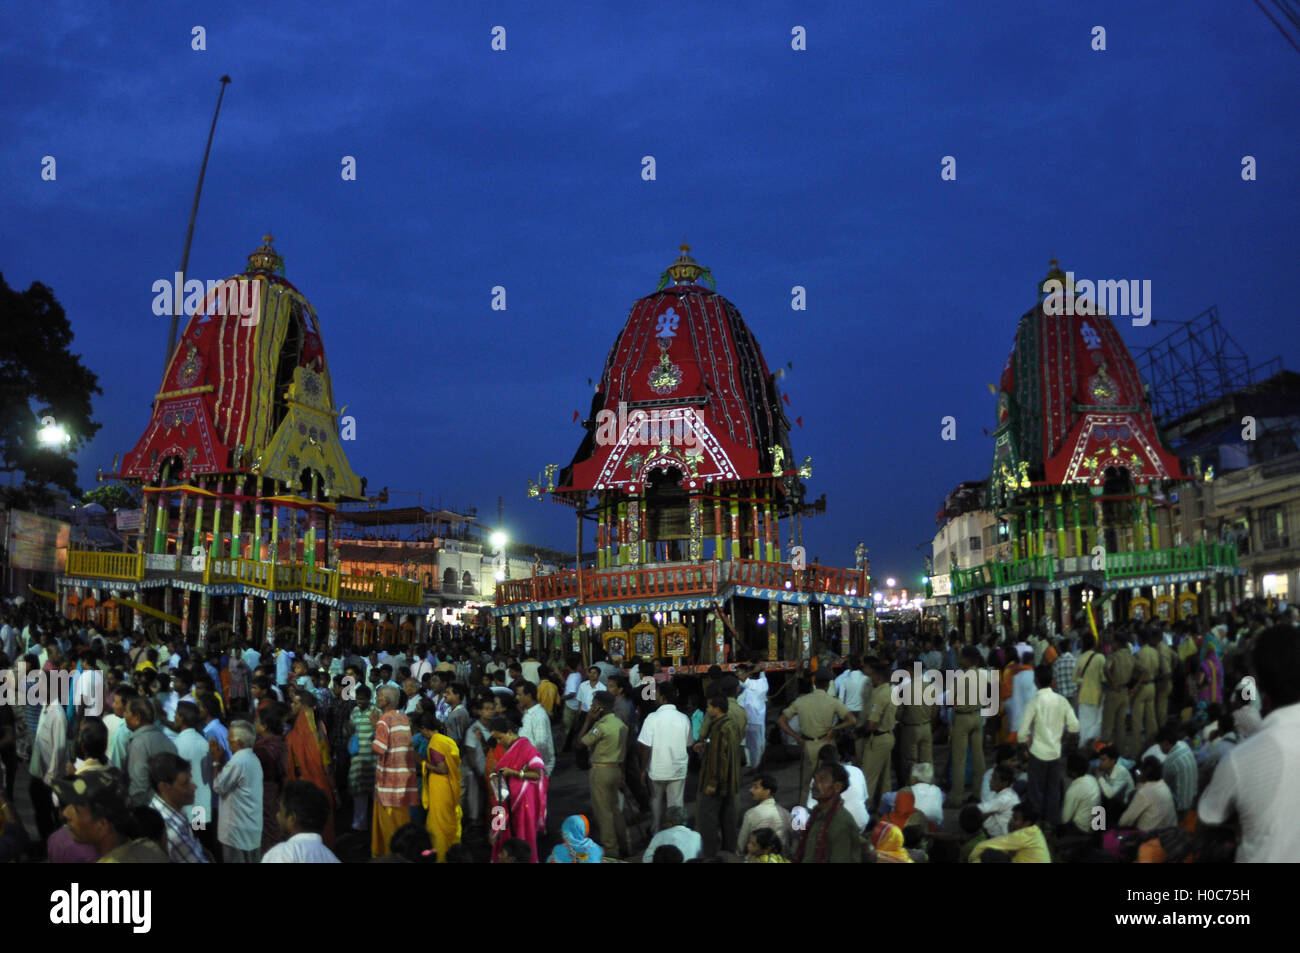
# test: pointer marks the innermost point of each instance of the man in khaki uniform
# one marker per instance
(1118, 673)
(606, 735)
(881, 714)
(1146, 666)
(818, 713)
(967, 732)
(915, 738)
(1164, 680)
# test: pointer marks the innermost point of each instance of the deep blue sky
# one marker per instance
(522, 169)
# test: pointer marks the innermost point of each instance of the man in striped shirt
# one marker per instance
(173, 799)
(1063, 674)
(396, 784)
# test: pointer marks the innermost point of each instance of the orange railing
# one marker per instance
(681, 579)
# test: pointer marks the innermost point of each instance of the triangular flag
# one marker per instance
(992, 389)
(786, 398)
(986, 431)
(575, 416)
(799, 421)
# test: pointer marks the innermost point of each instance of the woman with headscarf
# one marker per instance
(309, 756)
(887, 838)
(904, 808)
(1209, 681)
(577, 846)
(273, 754)
(440, 785)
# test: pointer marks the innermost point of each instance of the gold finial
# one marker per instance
(266, 258)
(1054, 273)
(685, 270)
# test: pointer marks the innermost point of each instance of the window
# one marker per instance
(1272, 528)
(974, 543)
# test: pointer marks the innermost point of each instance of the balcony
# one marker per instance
(253, 574)
(125, 566)
(1118, 566)
(677, 579)
(1183, 559)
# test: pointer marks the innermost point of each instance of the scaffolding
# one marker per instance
(1197, 363)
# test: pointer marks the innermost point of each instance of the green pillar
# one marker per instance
(197, 539)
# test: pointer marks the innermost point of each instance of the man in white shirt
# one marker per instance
(854, 796)
(753, 699)
(537, 726)
(420, 665)
(676, 834)
(765, 813)
(997, 810)
(304, 812)
(1152, 807)
(1048, 718)
(238, 784)
(587, 690)
(193, 747)
(571, 707)
(1082, 797)
(1258, 779)
(1022, 690)
(1115, 780)
(8, 640)
(664, 742)
(849, 685)
(927, 795)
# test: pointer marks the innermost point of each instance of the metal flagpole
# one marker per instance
(189, 232)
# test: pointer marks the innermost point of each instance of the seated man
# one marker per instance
(929, 797)
(1024, 843)
(1152, 806)
(998, 809)
(676, 834)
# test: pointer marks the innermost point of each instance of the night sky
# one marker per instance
(523, 169)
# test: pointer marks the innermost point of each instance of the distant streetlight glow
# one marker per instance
(498, 540)
(891, 582)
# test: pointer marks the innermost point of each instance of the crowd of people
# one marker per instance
(1151, 742)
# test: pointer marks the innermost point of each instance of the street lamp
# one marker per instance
(501, 564)
(891, 582)
(52, 434)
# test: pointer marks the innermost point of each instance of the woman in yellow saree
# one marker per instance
(440, 786)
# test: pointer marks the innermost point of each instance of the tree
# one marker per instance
(112, 496)
(40, 377)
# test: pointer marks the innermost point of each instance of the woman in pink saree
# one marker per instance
(518, 789)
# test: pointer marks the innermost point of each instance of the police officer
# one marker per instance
(606, 735)
(1165, 679)
(819, 713)
(967, 728)
(915, 738)
(1146, 665)
(881, 715)
(1117, 673)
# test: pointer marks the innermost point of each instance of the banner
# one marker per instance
(37, 542)
(128, 520)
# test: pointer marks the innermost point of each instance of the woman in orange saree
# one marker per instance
(309, 753)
